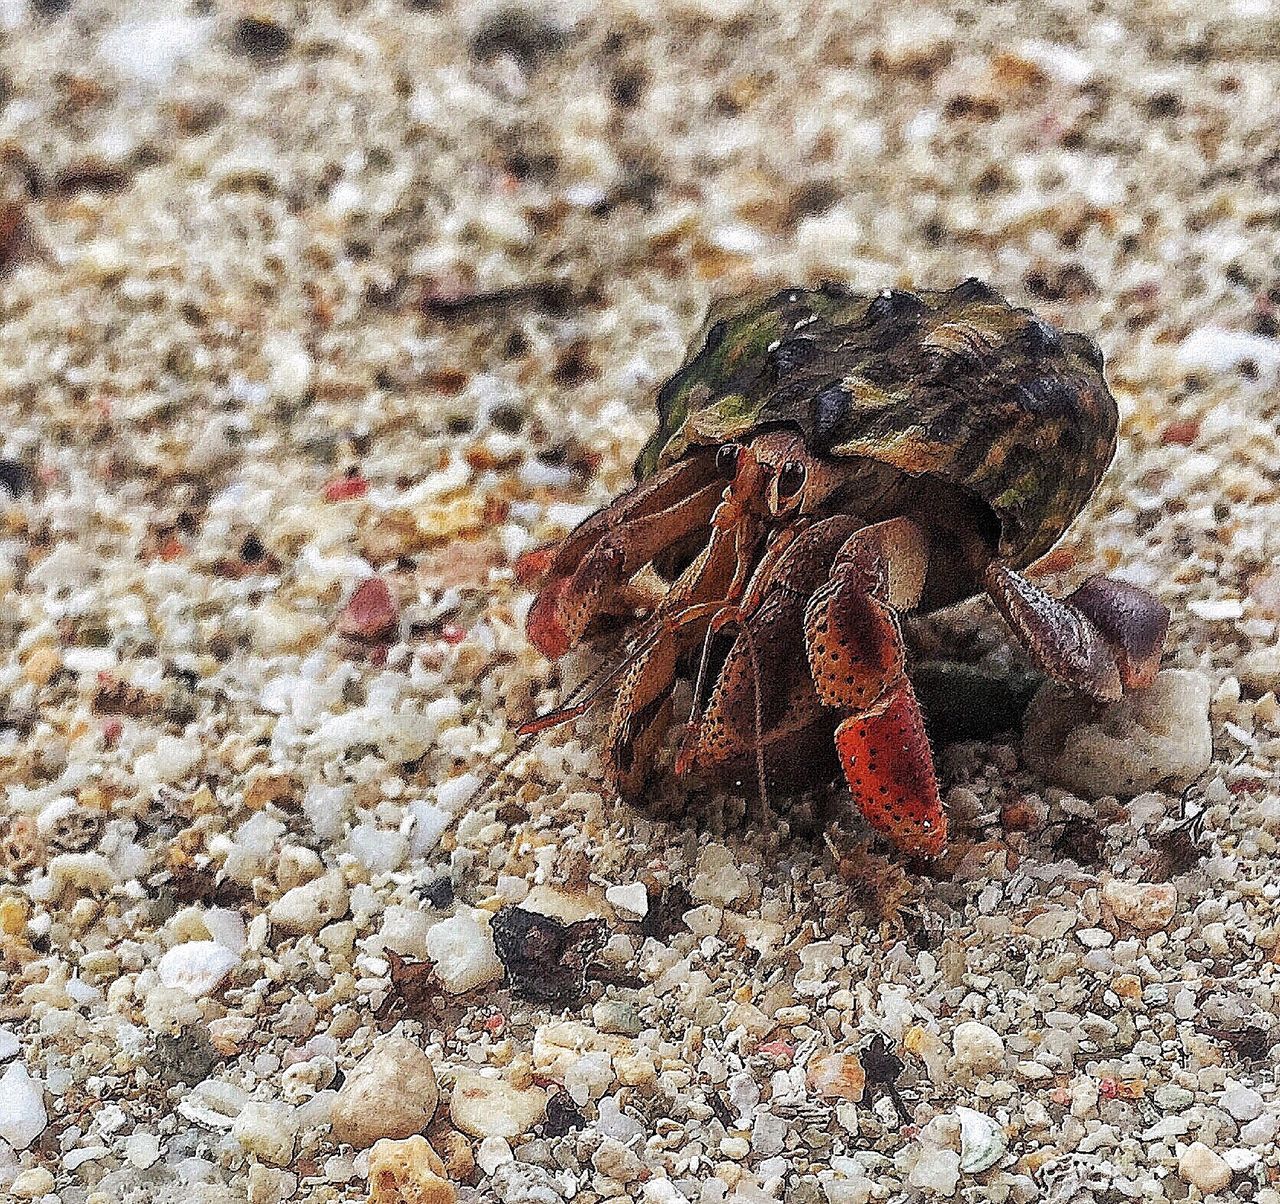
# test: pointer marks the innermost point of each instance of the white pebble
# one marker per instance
(463, 951)
(1204, 1168)
(22, 1114)
(310, 907)
(977, 1046)
(142, 1150)
(630, 901)
(197, 967)
(455, 793)
(267, 1131)
(391, 1092)
(492, 1107)
(1243, 1103)
(32, 1184)
(493, 1153)
(936, 1172)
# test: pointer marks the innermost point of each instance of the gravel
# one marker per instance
(313, 320)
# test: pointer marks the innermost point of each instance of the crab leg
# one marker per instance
(1101, 640)
(593, 564)
(857, 659)
(641, 711)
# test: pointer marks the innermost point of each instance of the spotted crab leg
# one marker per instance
(592, 566)
(1101, 640)
(857, 659)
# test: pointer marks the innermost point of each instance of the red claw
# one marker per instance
(544, 625)
(889, 767)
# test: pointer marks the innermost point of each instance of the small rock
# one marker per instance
(1154, 736)
(977, 1046)
(1146, 906)
(1094, 938)
(309, 907)
(492, 1107)
(391, 1092)
(1243, 1103)
(408, 1172)
(616, 1160)
(1203, 1168)
(493, 1153)
(1259, 670)
(1053, 923)
(371, 613)
(982, 1141)
(267, 1131)
(197, 967)
(936, 1172)
(836, 1076)
(544, 959)
(22, 1113)
(1171, 1098)
(463, 951)
(142, 1150)
(611, 1016)
(630, 901)
(32, 1184)
(718, 879)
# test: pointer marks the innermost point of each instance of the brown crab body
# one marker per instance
(823, 462)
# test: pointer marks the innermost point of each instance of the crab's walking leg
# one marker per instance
(1101, 640)
(857, 659)
(598, 558)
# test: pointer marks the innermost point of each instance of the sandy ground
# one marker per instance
(294, 295)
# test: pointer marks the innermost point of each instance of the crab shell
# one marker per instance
(955, 384)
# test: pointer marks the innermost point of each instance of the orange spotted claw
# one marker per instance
(888, 764)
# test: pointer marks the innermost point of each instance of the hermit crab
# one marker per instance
(824, 463)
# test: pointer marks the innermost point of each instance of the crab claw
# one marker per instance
(543, 624)
(889, 766)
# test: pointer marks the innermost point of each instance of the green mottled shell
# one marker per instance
(954, 384)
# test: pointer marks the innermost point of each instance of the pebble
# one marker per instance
(982, 1141)
(463, 951)
(936, 1172)
(268, 1131)
(977, 1046)
(1157, 736)
(1146, 906)
(391, 1092)
(1259, 670)
(492, 1107)
(718, 879)
(1172, 1098)
(197, 967)
(142, 1150)
(1094, 938)
(618, 1161)
(309, 907)
(1241, 1102)
(1203, 1168)
(22, 1113)
(9, 1044)
(836, 1076)
(408, 1172)
(32, 1183)
(493, 1153)
(371, 613)
(630, 901)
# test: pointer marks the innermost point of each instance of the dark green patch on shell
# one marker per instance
(955, 384)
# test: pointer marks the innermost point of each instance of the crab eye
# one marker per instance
(727, 461)
(791, 479)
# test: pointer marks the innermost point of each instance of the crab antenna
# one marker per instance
(700, 680)
(578, 702)
(747, 638)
